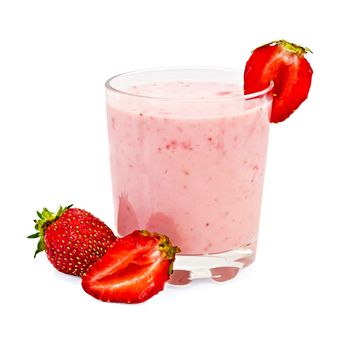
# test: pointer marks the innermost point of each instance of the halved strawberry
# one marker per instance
(134, 269)
(283, 63)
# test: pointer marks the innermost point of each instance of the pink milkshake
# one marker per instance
(188, 154)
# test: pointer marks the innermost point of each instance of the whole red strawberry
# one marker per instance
(73, 239)
(134, 269)
(283, 63)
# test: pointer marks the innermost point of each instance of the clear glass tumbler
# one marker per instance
(187, 153)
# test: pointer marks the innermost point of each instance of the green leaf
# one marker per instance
(60, 211)
(34, 235)
(46, 214)
(39, 214)
(170, 269)
(41, 246)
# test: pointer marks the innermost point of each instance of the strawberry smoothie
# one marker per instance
(187, 154)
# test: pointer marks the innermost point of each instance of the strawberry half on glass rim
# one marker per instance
(283, 63)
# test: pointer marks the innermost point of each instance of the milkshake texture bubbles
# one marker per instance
(188, 160)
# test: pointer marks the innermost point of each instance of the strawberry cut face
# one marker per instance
(134, 269)
(284, 64)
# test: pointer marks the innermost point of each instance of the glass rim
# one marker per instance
(250, 96)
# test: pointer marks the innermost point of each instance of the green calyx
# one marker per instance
(165, 247)
(46, 218)
(169, 251)
(291, 47)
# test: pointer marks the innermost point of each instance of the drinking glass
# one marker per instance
(187, 155)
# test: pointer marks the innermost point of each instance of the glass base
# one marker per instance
(219, 267)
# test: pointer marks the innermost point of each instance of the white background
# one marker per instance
(54, 59)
